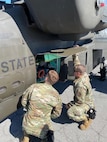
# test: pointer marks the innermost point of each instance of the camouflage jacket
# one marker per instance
(43, 103)
(83, 91)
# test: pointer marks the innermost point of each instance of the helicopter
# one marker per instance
(34, 27)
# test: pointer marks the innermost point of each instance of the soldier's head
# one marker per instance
(79, 70)
(52, 77)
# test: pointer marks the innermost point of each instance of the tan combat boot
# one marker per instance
(86, 124)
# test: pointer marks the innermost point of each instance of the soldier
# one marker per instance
(63, 71)
(42, 102)
(81, 109)
(102, 69)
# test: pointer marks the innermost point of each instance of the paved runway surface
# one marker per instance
(65, 129)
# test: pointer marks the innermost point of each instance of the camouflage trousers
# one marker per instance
(78, 113)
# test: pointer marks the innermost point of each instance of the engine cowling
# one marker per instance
(70, 19)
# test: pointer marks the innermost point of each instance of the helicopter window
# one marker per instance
(3, 89)
(16, 84)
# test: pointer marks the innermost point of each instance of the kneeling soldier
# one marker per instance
(82, 106)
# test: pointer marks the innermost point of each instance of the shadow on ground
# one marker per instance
(100, 86)
(61, 86)
(63, 117)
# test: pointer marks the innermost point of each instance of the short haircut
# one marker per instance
(53, 76)
(80, 68)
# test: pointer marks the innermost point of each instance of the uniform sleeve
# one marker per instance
(56, 112)
(25, 97)
(80, 94)
(76, 60)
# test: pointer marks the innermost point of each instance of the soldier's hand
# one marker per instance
(68, 105)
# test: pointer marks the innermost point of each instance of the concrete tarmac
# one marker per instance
(66, 130)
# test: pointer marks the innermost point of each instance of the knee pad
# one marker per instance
(91, 113)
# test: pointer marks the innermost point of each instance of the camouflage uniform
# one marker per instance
(83, 98)
(44, 104)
